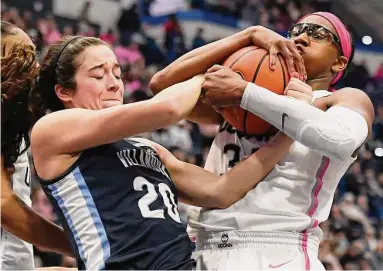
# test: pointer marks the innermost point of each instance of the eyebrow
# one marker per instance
(116, 65)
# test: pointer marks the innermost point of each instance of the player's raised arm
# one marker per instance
(198, 61)
(337, 133)
(23, 222)
(67, 126)
(199, 187)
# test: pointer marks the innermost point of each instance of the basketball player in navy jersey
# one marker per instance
(116, 198)
(20, 225)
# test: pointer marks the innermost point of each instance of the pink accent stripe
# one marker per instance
(319, 183)
(314, 205)
(304, 249)
(315, 224)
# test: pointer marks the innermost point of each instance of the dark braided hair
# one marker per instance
(18, 73)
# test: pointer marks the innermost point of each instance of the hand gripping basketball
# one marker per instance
(222, 87)
(299, 90)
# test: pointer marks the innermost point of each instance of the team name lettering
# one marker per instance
(137, 157)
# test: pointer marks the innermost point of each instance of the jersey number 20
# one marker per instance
(152, 195)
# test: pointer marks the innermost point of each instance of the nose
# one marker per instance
(302, 39)
(113, 84)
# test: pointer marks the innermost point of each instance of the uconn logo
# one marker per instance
(225, 240)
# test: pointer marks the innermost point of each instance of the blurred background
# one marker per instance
(149, 34)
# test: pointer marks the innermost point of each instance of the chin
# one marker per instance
(107, 104)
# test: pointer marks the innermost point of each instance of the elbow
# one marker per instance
(220, 200)
(174, 111)
(6, 212)
(156, 82)
(223, 202)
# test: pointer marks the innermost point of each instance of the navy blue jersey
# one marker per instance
(118, 206)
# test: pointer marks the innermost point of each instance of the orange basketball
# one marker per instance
(252, 63)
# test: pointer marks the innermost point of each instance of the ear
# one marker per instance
(64, 94)
(340, 64)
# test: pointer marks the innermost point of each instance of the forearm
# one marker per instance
(336, 133)
(199, 187)
(201, 59)
(20, 220)
(184, 95)
(243, 177)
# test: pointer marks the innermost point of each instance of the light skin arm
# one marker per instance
(66, 127)
(196, 62)
(199, 187)
(20, 220)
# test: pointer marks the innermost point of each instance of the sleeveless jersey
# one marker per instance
(118, 207)
(294, 197)
(17, 254)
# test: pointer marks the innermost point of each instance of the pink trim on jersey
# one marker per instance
(314, 205)
(304, 249)
(318, 185)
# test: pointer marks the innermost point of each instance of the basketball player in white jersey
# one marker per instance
(18, 220)
(276, 224)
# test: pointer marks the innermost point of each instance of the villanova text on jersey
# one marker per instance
(119, 209)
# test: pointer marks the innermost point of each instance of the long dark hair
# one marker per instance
(18, 73)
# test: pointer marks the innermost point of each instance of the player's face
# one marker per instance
(98, 79)
(318, 46)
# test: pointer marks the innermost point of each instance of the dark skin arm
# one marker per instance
(223, 87)
(23, 222)
(201, 59)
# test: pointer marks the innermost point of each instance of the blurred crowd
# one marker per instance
(353, 235)
(274, 14)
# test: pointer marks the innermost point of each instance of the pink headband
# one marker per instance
(343, 34)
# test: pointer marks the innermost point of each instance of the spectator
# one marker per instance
(129, 23)
(379, 73)
(52, 34)
(174, 38)
(198, 40)
(378, 125)
(109, 37)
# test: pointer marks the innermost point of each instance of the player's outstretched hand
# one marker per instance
(222, 87)
(299, 90)
(277, 44)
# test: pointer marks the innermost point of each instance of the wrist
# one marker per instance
(258, 37)
(241, 87)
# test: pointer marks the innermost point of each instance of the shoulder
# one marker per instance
(357, 100)
(354, 99)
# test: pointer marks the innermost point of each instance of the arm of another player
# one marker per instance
(75, 130)
(199, 187)
(337, 133)
(20, 220)
(198, 61)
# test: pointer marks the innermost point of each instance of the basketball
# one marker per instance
(252, 63)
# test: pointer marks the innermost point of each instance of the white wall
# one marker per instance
(102, 12)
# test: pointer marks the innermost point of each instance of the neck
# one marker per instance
(319, 83)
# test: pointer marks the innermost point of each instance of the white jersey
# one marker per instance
(294, 197)
(14, 252)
